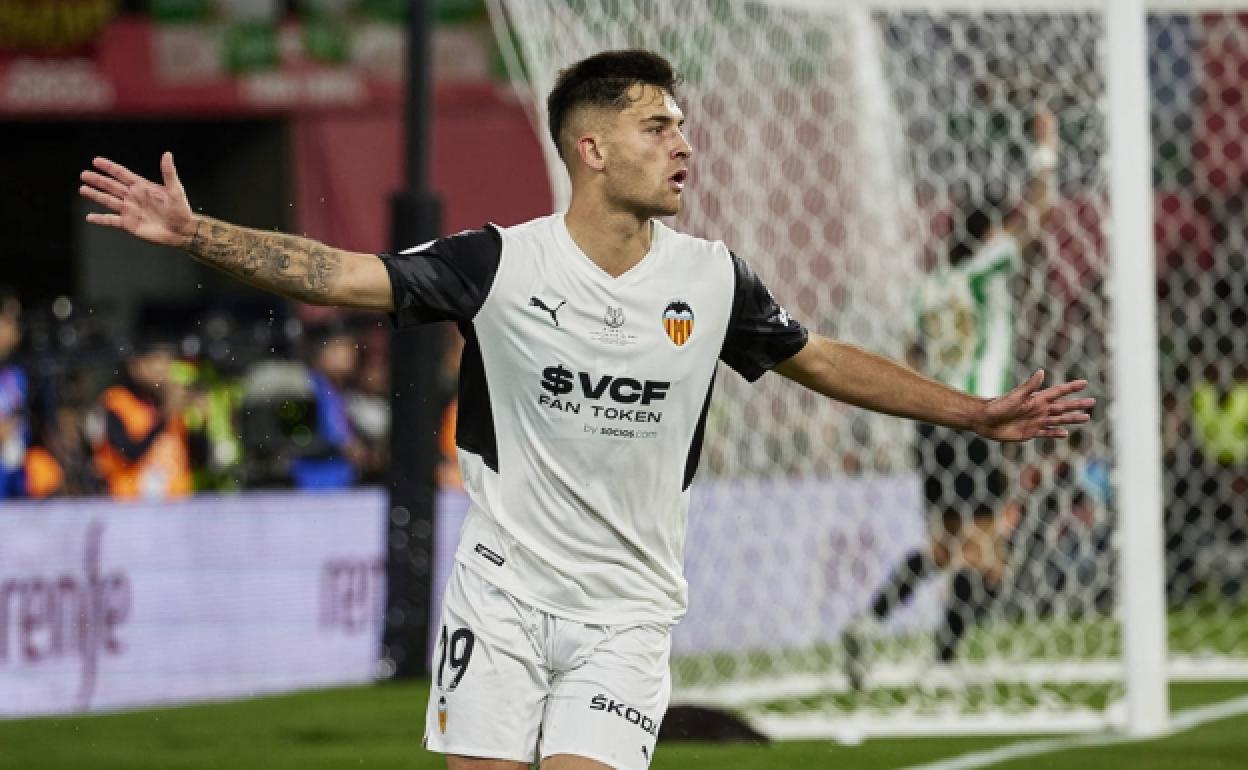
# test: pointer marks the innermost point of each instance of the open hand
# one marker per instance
(157, 213)
(1027, 412)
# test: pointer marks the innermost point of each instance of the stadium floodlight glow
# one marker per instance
(841, 148)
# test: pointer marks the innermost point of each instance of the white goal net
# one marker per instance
(933, 185)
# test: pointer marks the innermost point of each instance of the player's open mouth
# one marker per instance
(677, 180)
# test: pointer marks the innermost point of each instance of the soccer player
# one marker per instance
(592, 339)
(966, 339)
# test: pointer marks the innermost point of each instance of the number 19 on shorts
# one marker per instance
(456, 650)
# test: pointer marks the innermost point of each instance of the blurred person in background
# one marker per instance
(336, 455)
(368, 402)
(14, 390)
(1220, 414)
(211, 418)
(67, 359)
(1070, 494)
(60, 463)
(144, 451)
(965, 339)
(1219, 409)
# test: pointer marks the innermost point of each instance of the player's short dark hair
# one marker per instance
(603, 80)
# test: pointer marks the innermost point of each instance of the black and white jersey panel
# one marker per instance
(582, 401)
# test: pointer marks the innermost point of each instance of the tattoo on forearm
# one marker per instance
(295, 267)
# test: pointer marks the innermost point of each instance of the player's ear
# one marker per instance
(591, 150)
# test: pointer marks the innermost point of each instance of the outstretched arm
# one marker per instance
(853, 375)
(294, 267)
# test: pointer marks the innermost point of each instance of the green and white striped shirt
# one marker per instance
(965, 318)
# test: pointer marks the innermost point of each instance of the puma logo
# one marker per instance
(535, 302)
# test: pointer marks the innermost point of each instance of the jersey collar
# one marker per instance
(582, 261)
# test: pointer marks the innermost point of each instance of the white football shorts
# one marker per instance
(513, 682)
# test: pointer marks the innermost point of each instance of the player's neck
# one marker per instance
(613, 240)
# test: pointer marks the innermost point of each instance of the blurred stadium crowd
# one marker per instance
(230, 403)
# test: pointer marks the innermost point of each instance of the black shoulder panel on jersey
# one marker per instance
(761, 334)
(695, 446)
(447, 280)
(474, 425)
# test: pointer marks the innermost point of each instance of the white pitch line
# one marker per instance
(1180, 722)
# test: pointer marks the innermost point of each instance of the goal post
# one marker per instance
(1137, 398)
(845, 580)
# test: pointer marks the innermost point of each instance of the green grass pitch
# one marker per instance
(380, 727)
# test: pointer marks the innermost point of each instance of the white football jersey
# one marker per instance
(582, 402)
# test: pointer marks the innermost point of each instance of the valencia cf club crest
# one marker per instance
(442, 714)
(678, 321)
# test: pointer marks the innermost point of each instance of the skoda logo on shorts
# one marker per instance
(624, 711)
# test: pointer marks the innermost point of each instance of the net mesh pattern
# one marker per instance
(867, 163)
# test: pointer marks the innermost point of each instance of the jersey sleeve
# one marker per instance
(761, 334)
(446, 279)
